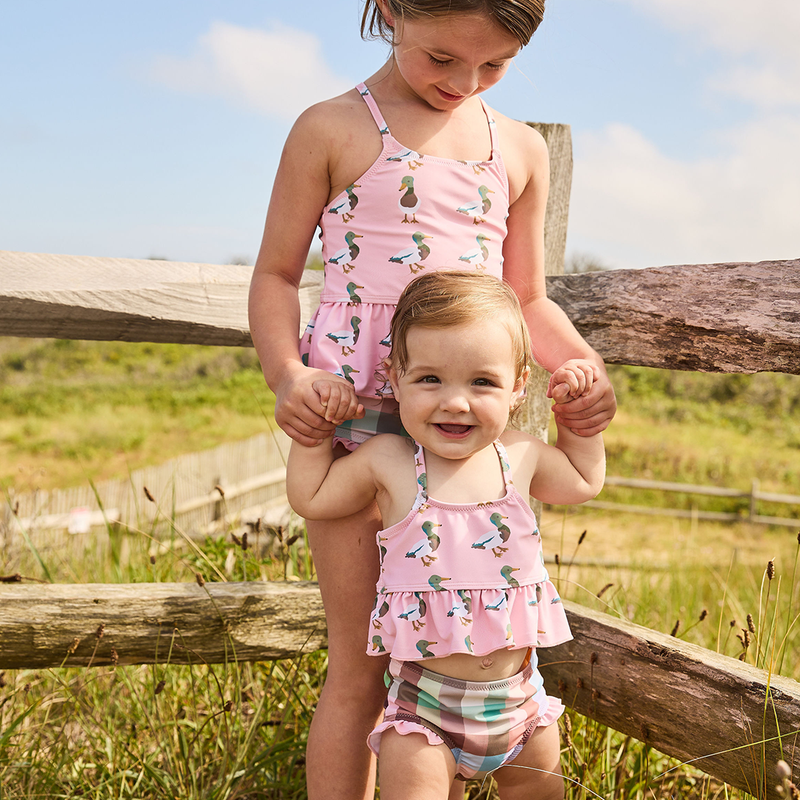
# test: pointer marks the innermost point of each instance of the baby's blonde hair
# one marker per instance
(446, 299)
(520, 18)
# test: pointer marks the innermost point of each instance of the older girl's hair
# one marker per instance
(520, 18)
(446, 299)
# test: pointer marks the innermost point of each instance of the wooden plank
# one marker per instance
(144, 623)
(682, 699)
(706, 317)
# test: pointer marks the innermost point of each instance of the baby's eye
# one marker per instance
(482, 382)
(429, 379)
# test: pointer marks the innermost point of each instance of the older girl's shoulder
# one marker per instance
(331, 115)
(517, 134)
(524, 153)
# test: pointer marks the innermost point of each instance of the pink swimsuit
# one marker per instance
(464, 579)
(407, 214)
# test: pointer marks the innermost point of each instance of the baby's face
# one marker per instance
(459, 387)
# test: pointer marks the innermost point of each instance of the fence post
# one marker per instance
(534, 417)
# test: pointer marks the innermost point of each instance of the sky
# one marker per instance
(154, 129)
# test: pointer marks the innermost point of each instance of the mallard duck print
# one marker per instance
(409, 202)
(537, 596)
(345, 371)
(379, 610)
(424, 549)
(384, 386)
(462, 608)
(344, 206)
(415, 612)
(348, 254)
(435, 582)
(510, 580)
(477, 166)
(414, 255)
(410, 158)
(478, 255)
(478, 208)
(500, 604)
(353, 298)
(423, 645)
(494, 539)
(377, 644)
(347, 339)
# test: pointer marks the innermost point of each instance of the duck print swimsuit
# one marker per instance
(407, 214)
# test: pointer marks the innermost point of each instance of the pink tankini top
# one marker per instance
(464, 578)
(408, 213)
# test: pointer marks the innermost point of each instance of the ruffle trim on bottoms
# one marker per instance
(412, 626)
(555, 708)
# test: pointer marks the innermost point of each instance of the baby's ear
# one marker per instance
(391, 373)
(519, 389)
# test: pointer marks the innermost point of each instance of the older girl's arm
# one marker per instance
(299, 194)
(553, 336)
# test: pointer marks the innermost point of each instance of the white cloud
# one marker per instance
(278, 72)
(644, 208)
(758, 41)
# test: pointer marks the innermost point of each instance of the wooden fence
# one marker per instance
(753, 497)
(201, 493)
(733, 720)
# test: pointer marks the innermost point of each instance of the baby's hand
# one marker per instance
(339, 400)
(571, 380)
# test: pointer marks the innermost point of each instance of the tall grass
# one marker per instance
(239, 730)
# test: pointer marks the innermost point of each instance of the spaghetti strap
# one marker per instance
(375, 111)
(505, 465)
(492, 128)
(419, 466)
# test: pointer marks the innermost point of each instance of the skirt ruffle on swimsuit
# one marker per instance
(476, 621)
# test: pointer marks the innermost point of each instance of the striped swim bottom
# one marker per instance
(485, 725)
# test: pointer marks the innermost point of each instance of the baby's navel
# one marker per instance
(487, 662)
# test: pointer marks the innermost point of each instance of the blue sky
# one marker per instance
(154, 128)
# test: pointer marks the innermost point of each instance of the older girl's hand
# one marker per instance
(299, 410)
(584, 397)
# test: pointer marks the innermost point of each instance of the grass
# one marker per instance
(80, 411)
(75, 411)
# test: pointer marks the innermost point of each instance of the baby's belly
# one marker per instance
(496, 666)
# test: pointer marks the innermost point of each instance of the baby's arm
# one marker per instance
(570, 471)
(320, 486)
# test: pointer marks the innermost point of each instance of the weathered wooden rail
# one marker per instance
(683, 700)
(728, 718)
(708, 317)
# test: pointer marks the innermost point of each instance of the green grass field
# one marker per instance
(80, 411)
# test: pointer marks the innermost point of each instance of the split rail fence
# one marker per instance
(732, 720)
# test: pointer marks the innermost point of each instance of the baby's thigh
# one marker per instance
(536, 771)
(409, 768)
